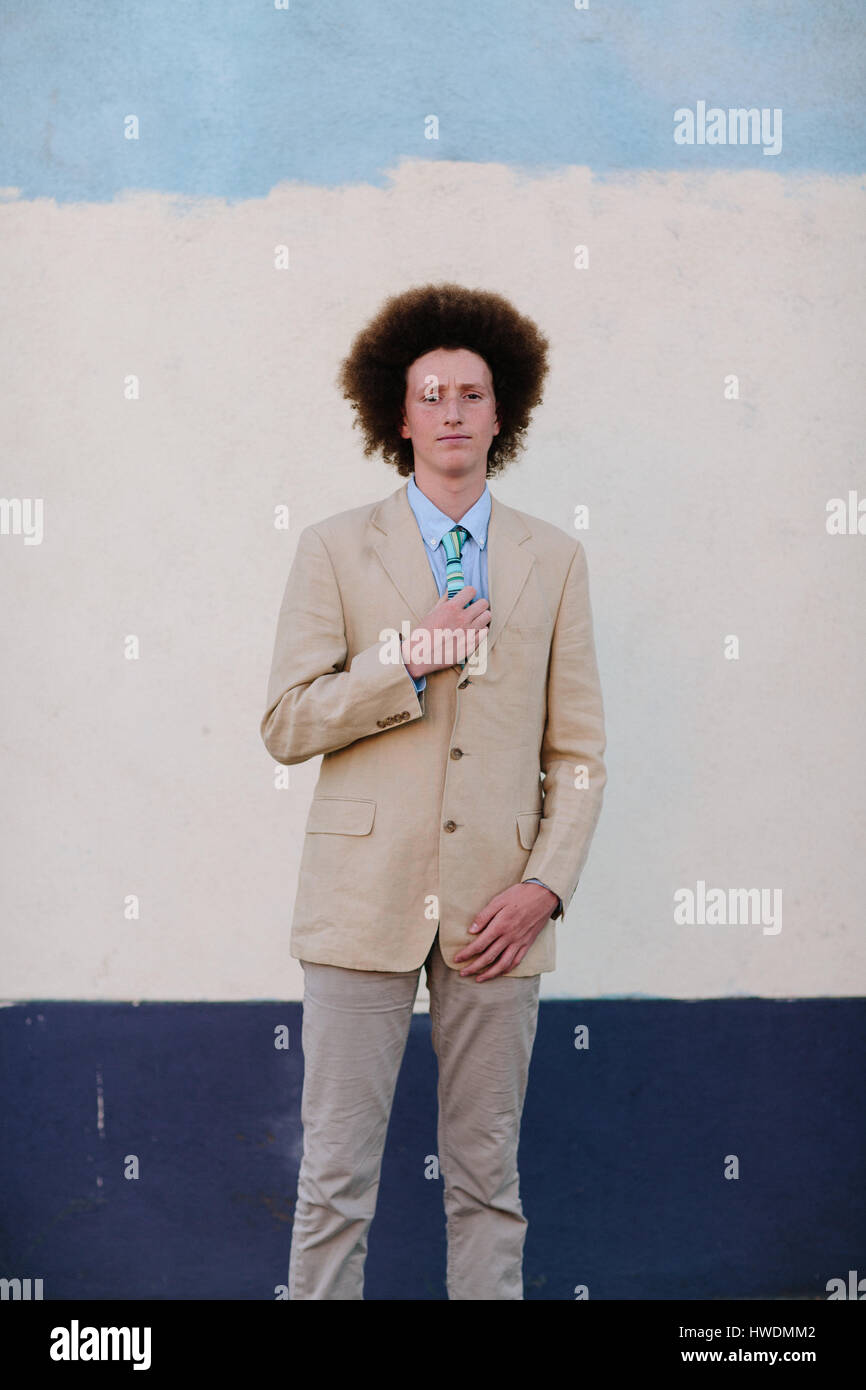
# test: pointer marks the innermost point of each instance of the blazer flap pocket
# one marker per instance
(528, 823)
(511, 633)
(340, 815)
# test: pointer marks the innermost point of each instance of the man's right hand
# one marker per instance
(449, 614)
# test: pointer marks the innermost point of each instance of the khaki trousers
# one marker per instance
(355, 1027)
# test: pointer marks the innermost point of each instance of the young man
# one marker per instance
(431, 840)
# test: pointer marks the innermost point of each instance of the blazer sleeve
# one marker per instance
(314, 705)
(573, 740)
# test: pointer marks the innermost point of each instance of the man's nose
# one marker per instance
(452, 406)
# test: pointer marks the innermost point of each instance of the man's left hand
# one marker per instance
(504, 930)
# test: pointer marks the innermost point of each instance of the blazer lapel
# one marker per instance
(400, 548)
(508, 564)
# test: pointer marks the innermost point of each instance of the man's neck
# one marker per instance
(453, 496)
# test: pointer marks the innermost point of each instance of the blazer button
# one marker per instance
(450, 825)
(457, 752)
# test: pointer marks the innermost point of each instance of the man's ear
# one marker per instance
(404, 426)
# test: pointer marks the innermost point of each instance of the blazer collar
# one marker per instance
(401, 550)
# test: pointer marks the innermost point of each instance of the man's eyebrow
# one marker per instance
(464, 386)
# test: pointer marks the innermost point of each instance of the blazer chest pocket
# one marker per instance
(340, 815)
(525, 634)
(528, 825)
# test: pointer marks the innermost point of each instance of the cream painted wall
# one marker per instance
(707, 518)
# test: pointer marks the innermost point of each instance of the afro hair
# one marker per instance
(373, 376)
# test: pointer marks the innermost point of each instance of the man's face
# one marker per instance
(449, 411)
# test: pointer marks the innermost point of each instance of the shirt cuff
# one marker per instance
(558, 909)
(419, 682)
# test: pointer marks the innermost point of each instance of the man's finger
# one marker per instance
(480, 940)
(506, 962)
(486, 959)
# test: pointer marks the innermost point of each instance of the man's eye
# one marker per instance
(432, 400)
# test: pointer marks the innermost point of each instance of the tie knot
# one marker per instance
(457, 536)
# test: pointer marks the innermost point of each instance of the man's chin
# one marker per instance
(455, 463)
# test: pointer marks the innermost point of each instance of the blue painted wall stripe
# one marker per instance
(235, 98)
(621, 1155)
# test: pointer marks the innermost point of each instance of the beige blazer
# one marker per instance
(426, 806)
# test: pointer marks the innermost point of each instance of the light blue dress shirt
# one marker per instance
(433, 525)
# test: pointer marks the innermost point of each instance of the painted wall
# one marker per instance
(622, 1152)
(707, 518)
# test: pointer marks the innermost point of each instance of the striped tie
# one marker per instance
(453, 543)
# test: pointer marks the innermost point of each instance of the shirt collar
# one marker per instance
(434, 524)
